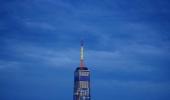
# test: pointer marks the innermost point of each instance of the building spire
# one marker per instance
(81, 54)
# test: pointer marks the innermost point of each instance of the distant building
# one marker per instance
(81, 80)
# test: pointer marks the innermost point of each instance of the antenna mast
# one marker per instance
(81, 54)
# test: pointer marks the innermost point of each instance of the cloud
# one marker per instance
(126, 47)
(39, 26)
(142, 85)
(50, 57)
(9, 64)
(130, 57)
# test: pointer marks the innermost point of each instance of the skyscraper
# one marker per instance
(81, 80)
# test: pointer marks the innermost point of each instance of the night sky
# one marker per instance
(127, 48)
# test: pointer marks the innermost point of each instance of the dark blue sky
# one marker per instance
(127, 48)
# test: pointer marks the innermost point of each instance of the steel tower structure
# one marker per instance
(81, 80)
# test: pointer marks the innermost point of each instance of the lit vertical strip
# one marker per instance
(81, 52)
(81, 55)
